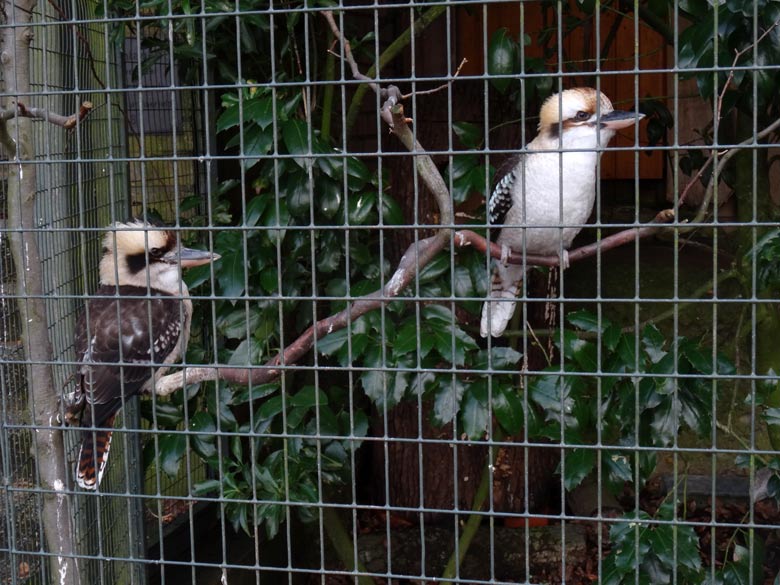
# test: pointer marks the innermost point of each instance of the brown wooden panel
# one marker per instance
(579, 55)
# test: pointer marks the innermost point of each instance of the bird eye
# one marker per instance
(582, 116)
(155, 252)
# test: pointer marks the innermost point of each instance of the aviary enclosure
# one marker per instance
(337, 416)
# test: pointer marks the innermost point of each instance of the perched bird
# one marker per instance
(137, 321)
(553, 186)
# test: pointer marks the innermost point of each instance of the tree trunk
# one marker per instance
(42, 397)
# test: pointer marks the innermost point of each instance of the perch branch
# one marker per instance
(469, 238)
(18, 109)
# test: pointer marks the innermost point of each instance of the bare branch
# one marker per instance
(469, 238)
(18, 109)
(441, 87)
(725, 156)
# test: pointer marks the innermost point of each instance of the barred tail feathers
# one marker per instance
(93, 456)
(505, 285)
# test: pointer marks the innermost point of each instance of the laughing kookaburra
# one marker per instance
(137, 321)
(553, 186)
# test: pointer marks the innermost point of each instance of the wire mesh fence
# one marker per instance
(399, 352)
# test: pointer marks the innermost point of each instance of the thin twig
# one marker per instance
(441, 87)
(726, 155)
(724, 158)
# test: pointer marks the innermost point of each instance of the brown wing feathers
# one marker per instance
(118, 353)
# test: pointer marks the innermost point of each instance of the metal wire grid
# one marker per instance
(156, 186)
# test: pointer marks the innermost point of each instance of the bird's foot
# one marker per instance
(72, 406)
(565, 259)
(505, 251)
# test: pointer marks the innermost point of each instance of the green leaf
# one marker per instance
(474, 416)
(578, 464)
(170, 452)
(499, 358)
(248, 352)
(257, 143)
(236, 324)
(308, 397)
(197, 275)
(230, 272)
(434, 269)
(508, 408)
(618, 466)
(587, 321)
(772, 416)
(204, 443)
(218, 404)
(270, 408)
(664, 424)
(252, 393)
(254, 209)
(553, 393)
(332, 342)
(299, 195)
(260, 111)
(611, 337)
(277, 219)
(653, 341)
(163, 414)
(391, 211)
(447, 403)
(360, 207)
(328, 197)
(357, 174)
(469, 134)
(204, 488)
(501, 59)
(295, 135)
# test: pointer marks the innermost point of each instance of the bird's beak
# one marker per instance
(619, 119)
(188, 257)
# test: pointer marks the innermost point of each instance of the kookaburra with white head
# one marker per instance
(137, 321)
(552, 186)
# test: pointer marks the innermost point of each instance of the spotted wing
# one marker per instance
(120, 339)
(502, 198)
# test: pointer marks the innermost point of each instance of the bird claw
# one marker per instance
(565, 259)
(73, 405)
(504, 254)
